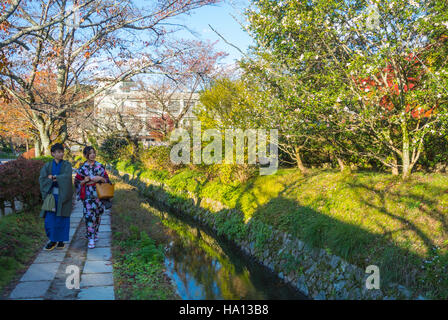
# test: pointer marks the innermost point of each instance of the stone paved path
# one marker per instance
(97, 282)
(45, 278)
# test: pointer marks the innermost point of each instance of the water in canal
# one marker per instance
(203, 265)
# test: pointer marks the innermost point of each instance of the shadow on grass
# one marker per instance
(425, 203)
(349, 241)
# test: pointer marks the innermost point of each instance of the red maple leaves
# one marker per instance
(386, 82)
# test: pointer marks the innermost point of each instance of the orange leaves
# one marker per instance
(3, 5)
(3, 95)
(419, 112)
(44, 78)
(54, 51)
(12, 122)
(4, 27)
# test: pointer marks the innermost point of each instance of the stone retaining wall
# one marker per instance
(313, 271)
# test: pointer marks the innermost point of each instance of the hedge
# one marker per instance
(19, 180)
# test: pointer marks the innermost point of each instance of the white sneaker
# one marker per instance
(91, 244)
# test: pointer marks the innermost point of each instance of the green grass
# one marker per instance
(364, 217)
(137, 251)
(7, 156)
(22, 236)
(44, 158)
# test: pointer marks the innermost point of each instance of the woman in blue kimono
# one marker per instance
(87, 175)
(56, 178)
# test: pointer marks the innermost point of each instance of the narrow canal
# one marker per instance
(203, 265)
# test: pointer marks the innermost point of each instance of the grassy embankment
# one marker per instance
(138, 255)
(22, 236)
(364, 217)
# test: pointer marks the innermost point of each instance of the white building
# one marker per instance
(138, 108)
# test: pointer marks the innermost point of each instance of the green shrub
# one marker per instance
(157, 175)
(158, 158)
(435, 155)
(186, 180)
(235, 173)
(111, 147)
(131, 167)
(77, 161)
(231, 224)
(43, 158)
(20, 181)
(128, 152)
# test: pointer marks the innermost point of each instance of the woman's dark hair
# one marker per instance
(57, 146)
(86, 151)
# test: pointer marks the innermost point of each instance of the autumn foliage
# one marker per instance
(19, 180)
(13, 122)
(29, 154)
(161, 125)
(386, 83)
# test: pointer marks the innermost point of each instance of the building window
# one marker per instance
(173, 106)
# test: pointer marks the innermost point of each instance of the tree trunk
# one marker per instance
(300, 165)
(342, 165)
(11, 145)
(395, 167)
(395, 171)
(406, 160)
(37, 150)
(43, 127)
(63, 133)
(45, 139)
(26, 143)
(135, 149)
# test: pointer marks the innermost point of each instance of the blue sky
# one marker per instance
(219, 16)
(223, 17)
